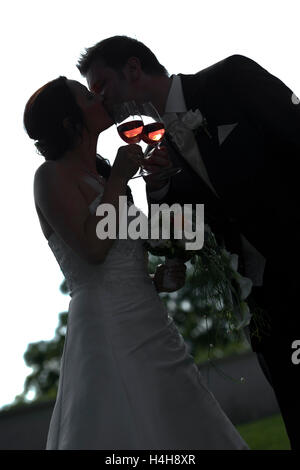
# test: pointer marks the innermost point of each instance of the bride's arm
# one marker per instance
(66, 210)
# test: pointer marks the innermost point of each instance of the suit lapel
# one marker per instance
(213, 104)
(179, 159)
(195, 89)
(194, 94)
(216, 214)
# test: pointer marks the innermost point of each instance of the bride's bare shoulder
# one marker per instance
(50, 173)
(49, 177)
(47, 168)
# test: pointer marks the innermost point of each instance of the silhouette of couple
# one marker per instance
(127, 380)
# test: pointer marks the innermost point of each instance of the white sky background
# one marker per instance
(42, 40)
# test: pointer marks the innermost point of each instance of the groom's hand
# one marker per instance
(176, 274)
(158, 161)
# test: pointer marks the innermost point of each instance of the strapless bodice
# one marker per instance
(125, 260)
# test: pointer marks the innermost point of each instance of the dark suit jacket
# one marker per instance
(255, 171)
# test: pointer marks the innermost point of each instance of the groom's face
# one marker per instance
(113, 85)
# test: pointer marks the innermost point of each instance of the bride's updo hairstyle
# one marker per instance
(44, 117)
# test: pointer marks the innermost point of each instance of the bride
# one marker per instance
(127, 380)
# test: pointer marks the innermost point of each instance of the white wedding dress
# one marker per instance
(127, 380)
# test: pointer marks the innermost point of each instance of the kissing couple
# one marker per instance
(127, 380)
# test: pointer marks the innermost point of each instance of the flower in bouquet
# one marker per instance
(215, 274)
(172, 231)
(219, 282)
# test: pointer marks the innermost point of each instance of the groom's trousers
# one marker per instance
(283, 376)
(276, 354)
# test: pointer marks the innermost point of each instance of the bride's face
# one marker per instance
(95, 116)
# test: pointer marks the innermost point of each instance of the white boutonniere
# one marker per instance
(194, 120)
(179, 128)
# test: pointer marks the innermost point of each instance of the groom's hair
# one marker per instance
(115, 51)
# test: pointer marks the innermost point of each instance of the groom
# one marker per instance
(234, 129)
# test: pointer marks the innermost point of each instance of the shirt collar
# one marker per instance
(175, 101)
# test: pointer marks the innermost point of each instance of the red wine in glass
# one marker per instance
(128, 121)
(131, 131)
(153, 133)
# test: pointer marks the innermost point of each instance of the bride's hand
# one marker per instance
(127, 161)
(176, 275)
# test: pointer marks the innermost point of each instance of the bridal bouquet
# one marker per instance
(215, 274)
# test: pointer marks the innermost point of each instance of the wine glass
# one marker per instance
(128, 121)
(153, 134)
